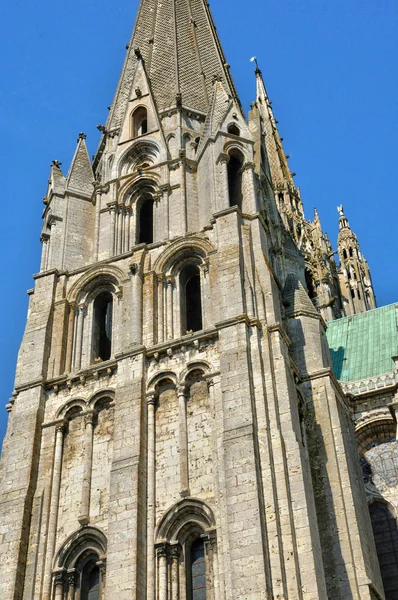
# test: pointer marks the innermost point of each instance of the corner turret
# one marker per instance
(355, 279)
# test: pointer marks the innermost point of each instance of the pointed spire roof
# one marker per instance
(296, 299)
(279, 166)
(182, 53)
(343, 221)
(81, 177)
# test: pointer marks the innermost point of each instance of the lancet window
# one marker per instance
(191, 301)
(139, 121)
(102, 326)
(145, 224)
(235, 165)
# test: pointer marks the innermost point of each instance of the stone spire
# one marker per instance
(182, 54)
(80, 177)
(355, 279)
(277, 158)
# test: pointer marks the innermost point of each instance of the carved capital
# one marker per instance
(223, 159)
(89, 418)
(71, 577)
(161, 550)
(170, 281)
(151, 399)
(60, 427)
(249, 166)
(181, 390)
(59, 578)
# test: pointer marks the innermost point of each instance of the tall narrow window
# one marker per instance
(310, 284)
(139, 122)
(90, 584)
(386, 537)
(351, 252)
(145, 234)
(344, 253)
(235, 178)
(102, 335)
(191, 301)
(198, 571)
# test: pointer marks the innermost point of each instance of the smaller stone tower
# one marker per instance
(355, 280)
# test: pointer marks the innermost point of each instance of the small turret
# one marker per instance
(355, 279)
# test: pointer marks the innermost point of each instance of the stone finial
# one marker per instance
(56, 163)
(340, 210)
(82, 136)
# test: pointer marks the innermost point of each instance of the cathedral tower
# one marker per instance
(176, 431)
(356, 282)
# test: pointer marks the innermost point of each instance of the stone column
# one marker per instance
(160, 282)
(71, 584)
(102, 569)
(182, 415)
(84, 517)
(162, 565)
(165, 191)
(98, 193)
(169, 306)
(175, 568)
(151, 498)
(69, 342)
(119, 230)
(54, 505)
(45, 240)
(212, 572)
(205, 293)
(81, 312)
(112, 214)
(59, 585)
(127, 220)
(249, 189)
(137, 301)
(222, 202)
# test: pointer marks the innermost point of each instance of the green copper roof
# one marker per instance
(362, 346)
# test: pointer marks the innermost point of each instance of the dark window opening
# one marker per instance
(353, 294)
(234, 129)
(198, 571)
(310, 284)
(145, 235)
(386, 537)
(140, 122)
(90, 587)
(359, 294)
(263, 156)
(191, 300)
(103, 326)
(235, 179)
(281, 197)
(348, 273)
(344, 253)
(351, 252)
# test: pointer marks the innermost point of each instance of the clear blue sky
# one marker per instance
(331, 70)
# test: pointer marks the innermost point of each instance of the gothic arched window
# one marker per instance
(235, 178)
(234, 129)
(351, 252)
(90, 581)
(145, 223)
(386, 537)
(197, 571)
(191, 301)
(344, 253)
(139, 121)
(102, 326)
